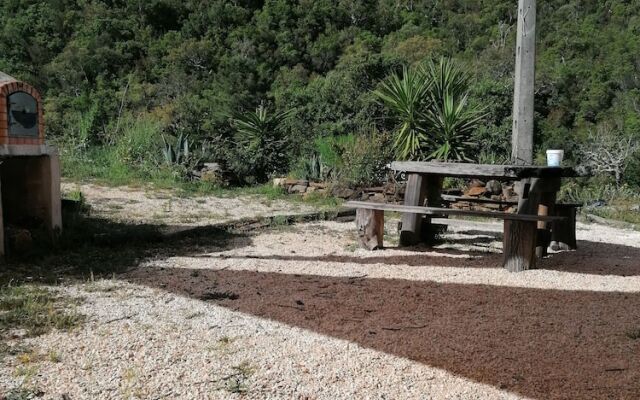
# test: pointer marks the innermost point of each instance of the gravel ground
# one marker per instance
(129, 204)
(298, 312)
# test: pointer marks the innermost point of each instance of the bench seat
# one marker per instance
(521, 231)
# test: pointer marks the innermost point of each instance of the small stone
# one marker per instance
(279, 182)
(476, 183)
(494, 187)
(378, 198)
(344, 193)
(297, 189)
(476, 191)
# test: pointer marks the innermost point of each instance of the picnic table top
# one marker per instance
(483, 171)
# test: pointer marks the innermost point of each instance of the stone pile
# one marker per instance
(485, 196)
(389, 193)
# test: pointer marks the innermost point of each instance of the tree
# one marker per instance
(609, 151)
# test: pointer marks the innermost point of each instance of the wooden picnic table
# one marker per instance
(536, 187)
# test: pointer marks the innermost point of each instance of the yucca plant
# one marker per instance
(451, 119)
(260, 142)
(408, 97)
(432, 107)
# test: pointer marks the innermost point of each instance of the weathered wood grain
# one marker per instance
(370, 224)
(438, 211)
(525, 73)
(482, 171)
(412, 222)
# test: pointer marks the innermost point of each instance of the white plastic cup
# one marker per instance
(554, 157)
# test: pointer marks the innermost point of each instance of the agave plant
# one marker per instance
(451, 119)
(177, 153)
(408, 97)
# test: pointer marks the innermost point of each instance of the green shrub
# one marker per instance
(352, 160)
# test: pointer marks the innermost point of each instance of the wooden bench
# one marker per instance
(563, 232)
(519, 247)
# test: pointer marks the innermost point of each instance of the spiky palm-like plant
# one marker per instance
(451, 119)
(407, 96)
(432, 107)
(260, 142)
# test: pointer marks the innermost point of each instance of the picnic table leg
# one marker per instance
(546, 207)
(412, 223)
(564, 232)
(433, 197)
(519, 242)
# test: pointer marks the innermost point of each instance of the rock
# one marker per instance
(494, 187)
(476, 191)
(343, 193)
(297, 189)
(319, 185)
(508, 193)
(295, 182)
(279, 182)
(214, 166)
(378, 198)
(476, 183)
(636, 208)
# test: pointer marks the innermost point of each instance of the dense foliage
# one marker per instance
(118, 74)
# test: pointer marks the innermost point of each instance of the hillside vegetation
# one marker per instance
(146, 90)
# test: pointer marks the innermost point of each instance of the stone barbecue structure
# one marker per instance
(29, 169)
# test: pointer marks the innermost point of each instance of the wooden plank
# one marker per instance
(370, 224)
(523, 99)
(482, 171)
(449, 211)
(412, 223)
(456, 199)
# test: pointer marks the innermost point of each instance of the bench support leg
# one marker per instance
(520, 237)
(370, 225)
(519, 245)
(564, 232)
(412, 223)
(546, 207)
(433, 195)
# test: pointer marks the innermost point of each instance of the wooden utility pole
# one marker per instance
(522, 135)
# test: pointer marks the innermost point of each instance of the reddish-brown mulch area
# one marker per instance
(544, 344)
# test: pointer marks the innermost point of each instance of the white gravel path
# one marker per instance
(317, 319)
(134, 204)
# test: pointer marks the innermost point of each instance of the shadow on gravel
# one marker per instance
(591, 258)
(543, 344)
(437, 258)
(93, 248)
